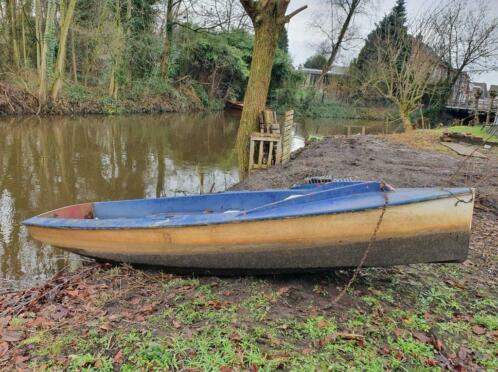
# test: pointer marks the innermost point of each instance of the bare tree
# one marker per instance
(401, 78)
(225, 15)
(336, 26)
(465, 36)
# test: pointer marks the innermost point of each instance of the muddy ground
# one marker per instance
(417, 160)
(418, 317)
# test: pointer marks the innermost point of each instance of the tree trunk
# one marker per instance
(23, 36)
(11, 14)
(405, 119)
(73, 58)
(61, 55)
(338, 43)
(38, 34)
(268, 18)
(46, 52)
(168, 40)
(266, 38)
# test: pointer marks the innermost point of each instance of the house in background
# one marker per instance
(312, 75)
(464, 91)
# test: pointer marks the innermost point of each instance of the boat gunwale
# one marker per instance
(42, 222)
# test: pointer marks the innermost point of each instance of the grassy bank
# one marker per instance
(102, 318)
(308, 102)
(477, 131)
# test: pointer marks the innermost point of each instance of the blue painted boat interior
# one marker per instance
(228, 207)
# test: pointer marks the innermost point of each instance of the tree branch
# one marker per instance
(295, 12)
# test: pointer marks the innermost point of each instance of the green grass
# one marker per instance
(475, 131)
(212, 325)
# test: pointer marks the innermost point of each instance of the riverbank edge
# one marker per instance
(184, 97)
(413, 317)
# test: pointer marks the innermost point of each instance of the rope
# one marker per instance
(367, 250)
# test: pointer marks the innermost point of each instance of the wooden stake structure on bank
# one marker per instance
(272, 144)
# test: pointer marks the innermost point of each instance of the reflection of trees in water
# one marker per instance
(47, 163)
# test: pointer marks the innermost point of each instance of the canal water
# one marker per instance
(50, 162)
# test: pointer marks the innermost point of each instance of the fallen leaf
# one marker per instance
(12, 336)
(283, 290)
(215, 304)
(114, 317)
(106, 327)
(225, 369)
(4, 347)
(75, 293)
(322, 324)
(350, 336)
(60, 313)
(148, 308)
(176, 324)
(227, 293)
(438, 344)
(41, 322)
(464, 352)
(399, 332)
(422, 337)
(20, 359)
(4, 321)
(253, 368)
(431, 362)
(327, 340)
(235, 337)
(399, 355)
(478, 330)
(62, 360)
(135, 301)
(461, 317)
(360, 342)
(139, 318)
(118, 358)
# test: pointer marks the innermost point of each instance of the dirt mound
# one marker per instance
(377, 158)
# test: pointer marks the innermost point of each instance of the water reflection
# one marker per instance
(46, 163)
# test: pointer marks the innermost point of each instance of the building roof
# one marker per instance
(335, 70)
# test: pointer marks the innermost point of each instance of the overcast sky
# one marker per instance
(303, 39)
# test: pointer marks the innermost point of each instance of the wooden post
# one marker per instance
(492, 95)
(286, 134)
(477, 95)
(363, 130)
(349, 130)
(251, 154)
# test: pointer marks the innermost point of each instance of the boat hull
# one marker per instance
(431, 231)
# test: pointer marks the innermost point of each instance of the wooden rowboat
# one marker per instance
(234, 105)
(307, 227)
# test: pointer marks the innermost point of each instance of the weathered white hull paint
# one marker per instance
(431, 231)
